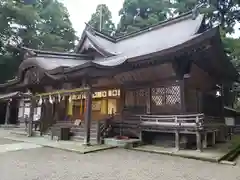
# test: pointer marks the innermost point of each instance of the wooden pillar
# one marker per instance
(31, 116)
(122, 100)
(7, 115)
(205, 140)
(222, 101)
(140, 135)
(23, 111)
(213, 138)
(177, 140)
(198, 141)
(182, 95)
(148, 103)
(98, 133)
(88, 118)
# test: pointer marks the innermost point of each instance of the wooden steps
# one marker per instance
(77, 132)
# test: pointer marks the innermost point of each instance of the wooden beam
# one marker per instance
(149, 100)
(65, 92)
(31, 116)
(182, 95)
(88, 118)
(205, 142)
(199, 141)
(213, 138)
(177, 140)
(7, 115)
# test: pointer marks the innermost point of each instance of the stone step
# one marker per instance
(81, 138)
(125, 143)
(82, 133)
(72, 122)
(23, 132)
(79, 134)
(77, 129)
(93, 126)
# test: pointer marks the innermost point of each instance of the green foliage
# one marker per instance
(102, 14)
(232, 46)
(39, 24)
(139, 14)
(225, 12)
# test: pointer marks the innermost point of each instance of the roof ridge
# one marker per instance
(49, 53)
(138, 32)
(155, 26)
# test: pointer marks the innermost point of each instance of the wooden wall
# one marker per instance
(200, 93)
(163, 98)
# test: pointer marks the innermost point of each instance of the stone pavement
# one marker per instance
(17, 146)
(73, 146)
(212, 155)
(115, 164)
(29, 161)
(9, 145)
(238, 161)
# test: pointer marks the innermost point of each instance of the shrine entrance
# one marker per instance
(104, 103)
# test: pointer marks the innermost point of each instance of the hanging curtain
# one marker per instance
(85, 106)
(104, 107)
(70, 108)
(81, 107)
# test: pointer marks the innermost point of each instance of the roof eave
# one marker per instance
(98, 47)
(178, 48)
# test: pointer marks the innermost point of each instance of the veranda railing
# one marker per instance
(177, 121)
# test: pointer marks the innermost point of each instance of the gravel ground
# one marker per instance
(7, 141)
(115, 164)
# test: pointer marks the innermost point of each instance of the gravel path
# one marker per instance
(7, 141)
(116, 164)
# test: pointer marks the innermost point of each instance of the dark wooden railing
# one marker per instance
(174, 121)
(134, 124)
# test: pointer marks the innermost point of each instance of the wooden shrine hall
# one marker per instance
(165, 84)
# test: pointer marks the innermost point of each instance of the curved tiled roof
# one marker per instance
(165, 38)
(155, 39)
(50, 63)
(178, 27)
(47, 60)
(139, 55)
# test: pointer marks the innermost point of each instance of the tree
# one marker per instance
(139, 14)
(225, 12)
(104, 15)
(232, 47)
(39, 24)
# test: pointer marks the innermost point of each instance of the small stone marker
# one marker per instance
(233, 163)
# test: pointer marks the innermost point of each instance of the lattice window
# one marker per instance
(158, 96)
(140, 96)
(129, 98)
(173, 95)
(136, 97)
(166, 95)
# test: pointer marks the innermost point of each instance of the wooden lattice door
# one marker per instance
(137, 100)
(165, 99)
